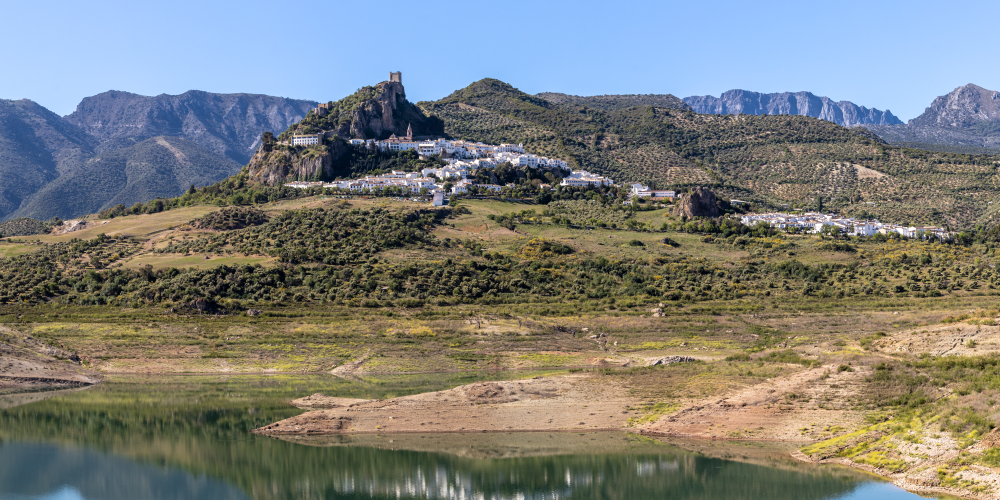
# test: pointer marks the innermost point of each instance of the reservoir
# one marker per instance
(187, 437)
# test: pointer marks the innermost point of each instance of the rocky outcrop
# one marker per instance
(700, 202)
(283, 164)
(227, 124)
(372, 113)
(743, 102)
(389, 113)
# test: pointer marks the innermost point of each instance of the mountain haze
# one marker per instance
(743, 102)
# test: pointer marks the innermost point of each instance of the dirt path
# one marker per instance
(573, 402)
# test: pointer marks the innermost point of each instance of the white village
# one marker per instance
(814, 222)
(462, 158)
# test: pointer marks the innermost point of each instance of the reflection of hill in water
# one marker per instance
(491, 444)
(32, 470)
(154, 437)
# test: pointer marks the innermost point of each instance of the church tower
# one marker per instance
(409, 132)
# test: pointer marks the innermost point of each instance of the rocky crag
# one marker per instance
(375, 112)
(700, 202)
(744, 102)
(967, 116)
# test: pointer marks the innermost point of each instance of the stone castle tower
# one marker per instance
(395, 77)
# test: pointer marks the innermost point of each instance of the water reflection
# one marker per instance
(188, 439)
(46, 471)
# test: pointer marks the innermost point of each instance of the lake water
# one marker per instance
(187, 437)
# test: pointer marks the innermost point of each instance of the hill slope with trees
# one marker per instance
(769, 160)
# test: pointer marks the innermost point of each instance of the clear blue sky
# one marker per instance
(888, 55)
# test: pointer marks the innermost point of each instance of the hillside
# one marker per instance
(373, 112)
(613, 102)
(743, 102)
(770, 160)
(36, 147)
(967, 116)
(708, 328)
(161, 167)
(228, 125)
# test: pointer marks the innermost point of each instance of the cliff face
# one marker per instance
(967, 116)
(844, 113)
(388, 113)
(280, 165)
(227, 124)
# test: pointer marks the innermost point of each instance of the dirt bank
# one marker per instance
(803, 407)
(27, 364)
(565, 403)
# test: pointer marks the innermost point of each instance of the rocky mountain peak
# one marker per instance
(968, 105)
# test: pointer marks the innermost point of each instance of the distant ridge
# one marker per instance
(744, 102)
(127, 148)
(227, 124)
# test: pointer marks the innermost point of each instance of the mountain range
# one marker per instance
(124, 148)
(119, 147)
(743, 102)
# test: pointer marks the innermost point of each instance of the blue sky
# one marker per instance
(888, 55)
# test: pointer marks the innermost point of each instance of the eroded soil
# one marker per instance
(804, 406)
(573, 402)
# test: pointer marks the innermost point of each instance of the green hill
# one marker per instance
(613, 102)
(770, 160)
